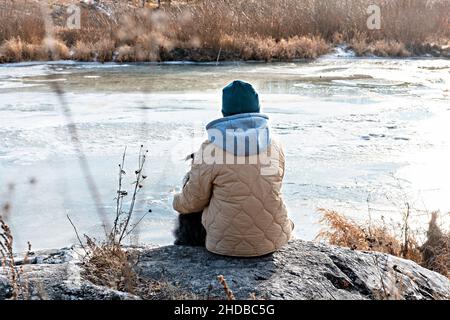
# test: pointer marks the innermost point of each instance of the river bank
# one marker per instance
(205, 30)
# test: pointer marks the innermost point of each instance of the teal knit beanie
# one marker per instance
(239, 97)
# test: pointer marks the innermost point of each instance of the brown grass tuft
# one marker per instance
(16, 50)
(12, 50)
(436, 250)
(267, 49)
(54, 49)
(110, 266)
(434, 254)
(104, 50)
(16, 275)
(83, 51)
(346, 233)
(125, 53)
(380, 48)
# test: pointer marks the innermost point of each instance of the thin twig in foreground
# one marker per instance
(78, 236)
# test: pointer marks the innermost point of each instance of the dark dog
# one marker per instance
(189, 230)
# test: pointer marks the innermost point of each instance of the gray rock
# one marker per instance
(301, 270)
(5, 288)
(51, 256)
(56, 275)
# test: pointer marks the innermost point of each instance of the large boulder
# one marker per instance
(301, 270)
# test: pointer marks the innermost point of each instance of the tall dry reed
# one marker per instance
(228, 29)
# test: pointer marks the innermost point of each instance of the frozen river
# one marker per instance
(359, 135)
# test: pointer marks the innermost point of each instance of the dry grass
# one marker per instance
(222, 30)
(83, 52)
(15, 272)
(21, 19)
(346, 233)
(108, 262)
(54, 49)
(16, 275)
(102, 51)
(112, 266)
(16, 50)
(380, 48)
(267, 49)
(7, 257)
(434, 254)
(436, 250)
(228, 293)
(125, 53)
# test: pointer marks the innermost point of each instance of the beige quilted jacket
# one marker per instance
(243, 210)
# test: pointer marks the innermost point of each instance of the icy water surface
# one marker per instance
(360, 135)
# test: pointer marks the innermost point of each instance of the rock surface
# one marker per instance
(301, 270)
(56, 275)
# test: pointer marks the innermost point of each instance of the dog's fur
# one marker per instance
(189, 230)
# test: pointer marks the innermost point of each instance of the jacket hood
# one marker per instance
(242, 134)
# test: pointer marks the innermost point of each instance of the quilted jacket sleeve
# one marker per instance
(282, 160)
(197, 191)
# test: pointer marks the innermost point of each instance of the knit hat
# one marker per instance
(239, 97)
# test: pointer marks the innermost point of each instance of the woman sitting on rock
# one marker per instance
(234, 185)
